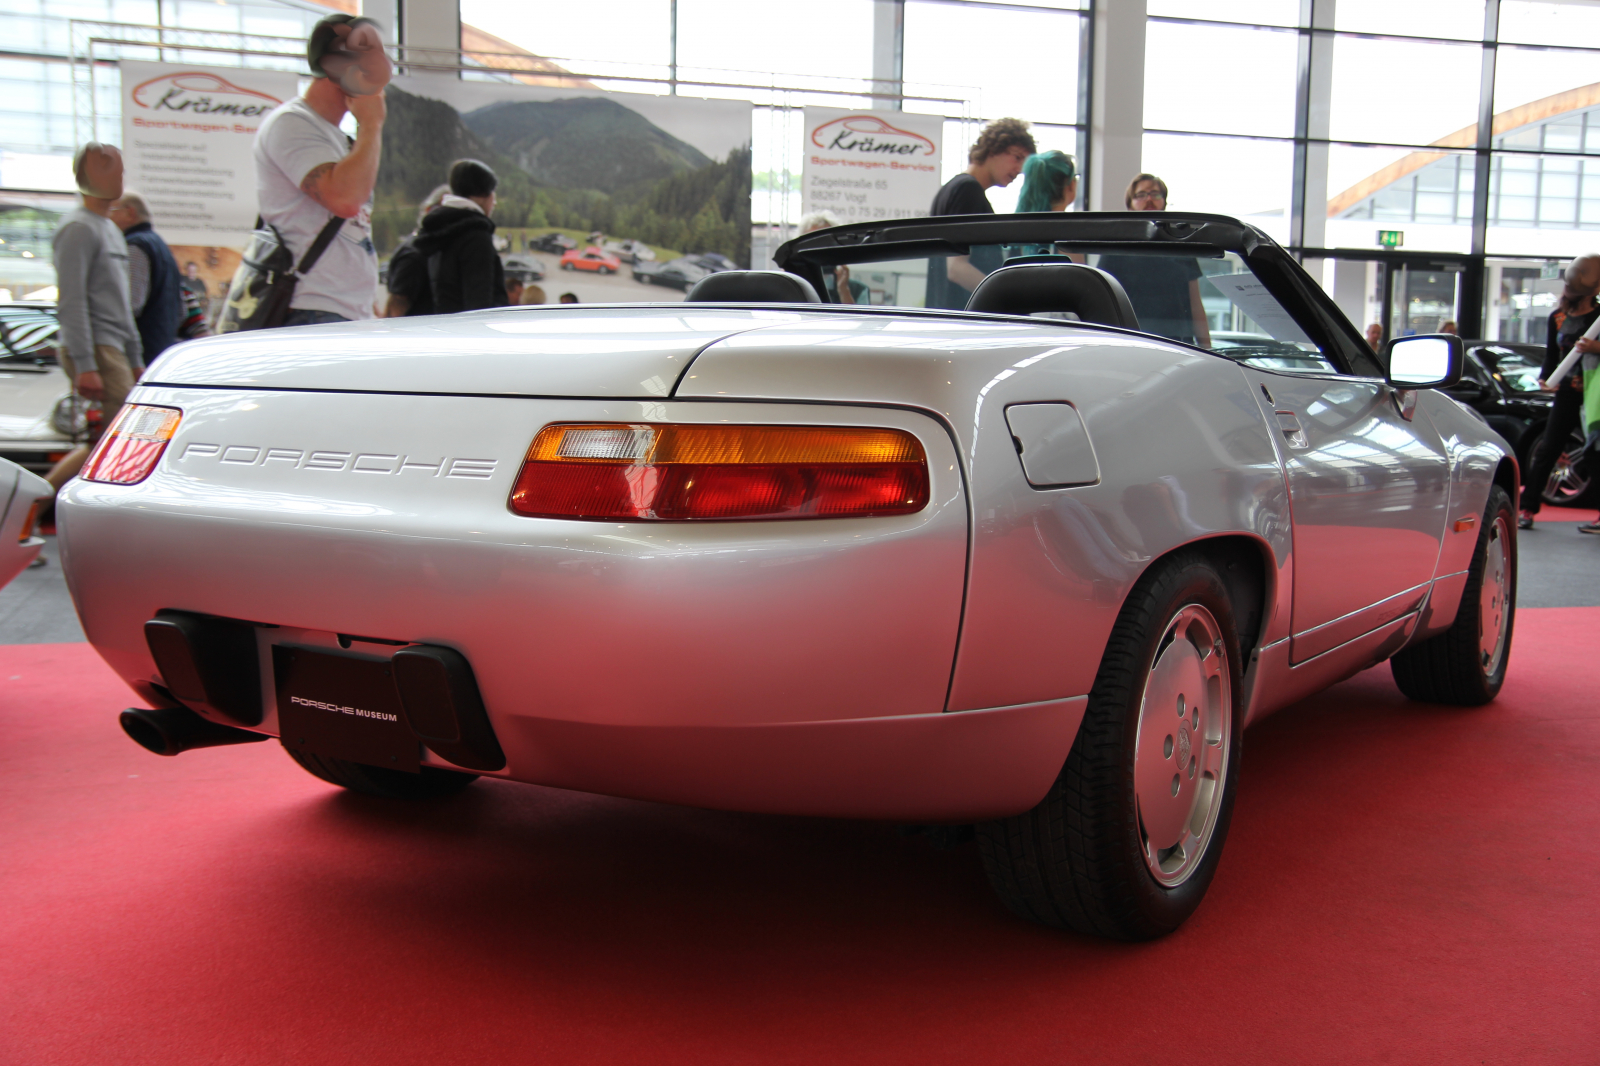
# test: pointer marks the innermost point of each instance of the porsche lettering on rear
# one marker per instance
(352, 462)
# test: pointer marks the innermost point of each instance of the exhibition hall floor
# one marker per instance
(1403, 883)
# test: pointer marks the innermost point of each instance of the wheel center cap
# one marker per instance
(1185, 745)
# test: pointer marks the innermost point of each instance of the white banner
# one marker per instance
(187, 139)
(866, 165)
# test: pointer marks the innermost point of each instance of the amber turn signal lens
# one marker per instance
(678, 473)
(30, 520)
(133, 445)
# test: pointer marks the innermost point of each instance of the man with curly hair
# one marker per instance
(995, 159)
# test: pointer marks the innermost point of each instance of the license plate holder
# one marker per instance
(342, 706)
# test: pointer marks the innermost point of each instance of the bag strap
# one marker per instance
(319, 245)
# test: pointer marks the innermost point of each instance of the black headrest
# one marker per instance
(1031, 288)
(753, 287)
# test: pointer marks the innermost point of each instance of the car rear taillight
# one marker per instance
(133, 444)
(677, 473)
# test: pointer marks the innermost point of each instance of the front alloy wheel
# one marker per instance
(1466, 664)
(1494, 592)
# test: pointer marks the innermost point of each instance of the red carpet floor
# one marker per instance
(1566, 514)
(1403, 884)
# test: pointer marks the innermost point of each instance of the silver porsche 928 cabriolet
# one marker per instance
(1027, 557)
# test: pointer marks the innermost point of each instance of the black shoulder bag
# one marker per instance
(263, 286)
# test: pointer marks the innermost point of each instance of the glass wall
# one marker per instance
(1373, 109)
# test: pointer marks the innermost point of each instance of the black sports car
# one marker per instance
(1500, 380)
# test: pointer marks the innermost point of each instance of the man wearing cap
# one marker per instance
(308, 172)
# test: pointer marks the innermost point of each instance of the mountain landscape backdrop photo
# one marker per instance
(676, 177)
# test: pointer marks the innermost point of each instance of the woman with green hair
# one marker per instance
(1049, 182)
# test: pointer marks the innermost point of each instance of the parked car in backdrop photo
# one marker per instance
(1030, 564)
(681, 273)
(553, 243)
(630, 251)
(590, 258)
(522, 267)
(714, 261)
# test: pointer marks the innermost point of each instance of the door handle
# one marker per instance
(1290, 426)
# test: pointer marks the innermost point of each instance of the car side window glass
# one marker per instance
(1214, 303)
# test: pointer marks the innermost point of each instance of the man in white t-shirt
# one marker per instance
(307, 171)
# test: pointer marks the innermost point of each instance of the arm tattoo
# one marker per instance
(311, 184)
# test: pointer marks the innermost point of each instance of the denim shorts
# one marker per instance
(312, 318)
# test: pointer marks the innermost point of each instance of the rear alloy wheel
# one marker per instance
(431, 783)
(1466, 664)
(1127, 840)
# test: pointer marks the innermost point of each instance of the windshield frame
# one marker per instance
(1165, 232)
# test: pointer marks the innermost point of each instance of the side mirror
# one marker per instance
(1430, 361)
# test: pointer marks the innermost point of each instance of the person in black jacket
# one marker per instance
(995, 159)
(1574, 314)
(155, 288)
(409, 290)
(457, 241)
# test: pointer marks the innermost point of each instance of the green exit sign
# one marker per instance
(1390, 238)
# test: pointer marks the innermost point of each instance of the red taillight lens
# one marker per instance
(133, 444)
(678, 473)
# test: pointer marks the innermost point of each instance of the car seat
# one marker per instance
(753, 287)
(1053, 290)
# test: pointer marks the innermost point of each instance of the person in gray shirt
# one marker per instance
(308, 171)
(100, 348)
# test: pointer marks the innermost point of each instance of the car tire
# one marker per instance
(603, 269)
(566, 266)
(1466, 664)
(431, 783)
(1090, 856)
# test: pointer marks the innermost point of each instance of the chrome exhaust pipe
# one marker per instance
(169, 730)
